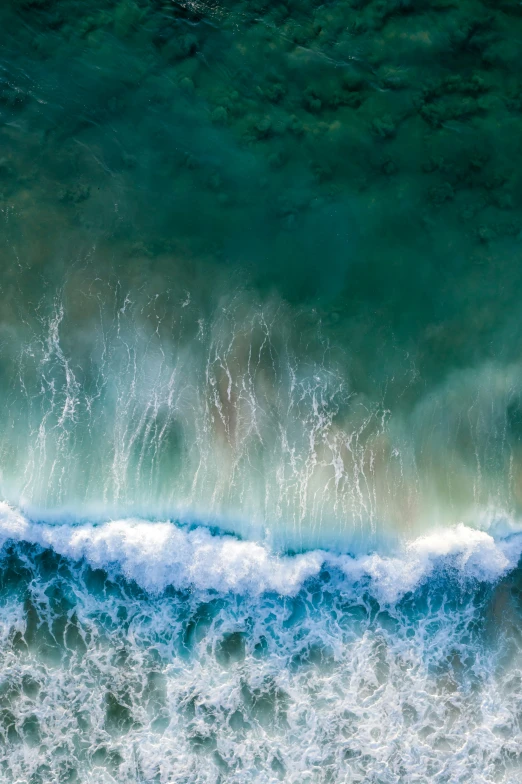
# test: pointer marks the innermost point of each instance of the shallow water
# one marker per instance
(260, 433)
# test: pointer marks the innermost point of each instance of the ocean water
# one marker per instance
(261, 392)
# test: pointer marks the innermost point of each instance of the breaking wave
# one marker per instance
(160, 554)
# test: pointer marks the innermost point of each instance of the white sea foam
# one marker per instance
(159, 554)
(306, 691)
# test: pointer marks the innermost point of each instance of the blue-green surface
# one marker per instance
(261, 391)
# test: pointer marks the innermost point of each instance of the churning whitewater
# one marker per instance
(157, 555)
(139, 651)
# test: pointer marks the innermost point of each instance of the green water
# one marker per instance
(331, 189)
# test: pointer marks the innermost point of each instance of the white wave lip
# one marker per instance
(159, 554)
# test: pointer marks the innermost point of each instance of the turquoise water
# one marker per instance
(260, 432)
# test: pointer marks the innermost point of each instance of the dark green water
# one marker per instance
(260, 271)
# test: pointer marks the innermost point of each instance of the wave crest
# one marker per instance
(160, 554)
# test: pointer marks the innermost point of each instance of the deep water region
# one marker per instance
(261, 392)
